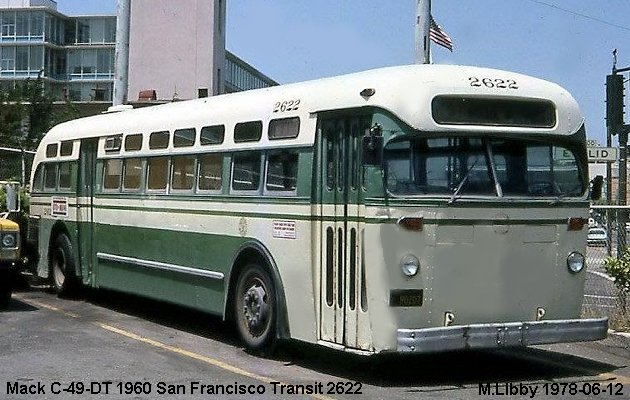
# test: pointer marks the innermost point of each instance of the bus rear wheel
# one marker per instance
(63, 266)
(255, 308)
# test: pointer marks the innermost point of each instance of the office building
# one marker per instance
(74, 55)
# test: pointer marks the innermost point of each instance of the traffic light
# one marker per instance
(614, 102)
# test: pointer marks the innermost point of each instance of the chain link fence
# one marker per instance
(15, 165)
(608, 236)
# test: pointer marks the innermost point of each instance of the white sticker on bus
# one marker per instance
(59, 207)
(284, 229)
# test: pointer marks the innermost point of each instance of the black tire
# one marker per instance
(255, 308)
(63, 266)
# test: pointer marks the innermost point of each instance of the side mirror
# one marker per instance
(373, 150)
(12, 197)
(596, 187)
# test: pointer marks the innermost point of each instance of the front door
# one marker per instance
(343, 313)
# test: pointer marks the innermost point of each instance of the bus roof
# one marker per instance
(406, 91)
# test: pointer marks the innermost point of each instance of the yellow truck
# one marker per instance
(10, 241)
(9, 258)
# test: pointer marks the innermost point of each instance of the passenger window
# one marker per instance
(133, 142)
(50, 176)
(133, 173)
(184, 137)
(66, 148)
(159, 140)
(51, 150)
(111, 174)
(285, 128)
(212, 135)
(183, 177)
(282, 170)
(64, 175)
(210, 172)
(158, 173)
(248, 131)
(246, 171)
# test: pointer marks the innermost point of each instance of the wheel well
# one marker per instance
(259, 256)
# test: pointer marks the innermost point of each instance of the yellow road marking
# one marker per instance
(47, 306)
(177, 350)
(625, 380)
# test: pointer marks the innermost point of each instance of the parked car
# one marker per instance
(597, 237)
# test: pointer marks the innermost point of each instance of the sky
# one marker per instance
(569, 42)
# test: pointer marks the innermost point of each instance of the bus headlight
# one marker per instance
(410, 265)
(8, 240)
(575, 262)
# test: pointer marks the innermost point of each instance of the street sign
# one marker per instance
(602, 154)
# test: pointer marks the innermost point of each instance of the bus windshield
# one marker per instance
(481, 167)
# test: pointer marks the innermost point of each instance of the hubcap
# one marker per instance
(256, 309)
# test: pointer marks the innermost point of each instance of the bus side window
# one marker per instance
(159, 140)
(132, 177)
(248, 131)
(112, 171)
(133, 142)
(183, 173)
(66, 148)
(285, 128)
(50, 176)
(184, 137)
(210, 172)
(212, 135)
(246, 171)
(65, 178)
(158, 173)
(51, 150)
(282, 168)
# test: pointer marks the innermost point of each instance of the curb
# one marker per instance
(624, 336)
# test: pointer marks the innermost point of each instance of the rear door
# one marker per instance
(85, 207)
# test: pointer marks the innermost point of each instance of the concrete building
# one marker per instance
(170, 40)
(74, 55)
(176, 51)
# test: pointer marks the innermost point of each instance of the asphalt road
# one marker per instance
(123, 347)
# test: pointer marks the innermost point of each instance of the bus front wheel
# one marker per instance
(255, 308)
(63, 265)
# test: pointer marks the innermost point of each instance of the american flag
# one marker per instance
(437, 34)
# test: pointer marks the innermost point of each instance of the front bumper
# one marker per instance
(492, 336)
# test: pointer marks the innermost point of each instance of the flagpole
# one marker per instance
(423, 22)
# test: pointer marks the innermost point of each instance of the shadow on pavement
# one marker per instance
(453, 368)
(19, 306)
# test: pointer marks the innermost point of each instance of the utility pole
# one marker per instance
(121, 69)
(616, 126)
(423, 24)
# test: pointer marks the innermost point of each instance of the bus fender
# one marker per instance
(60, 228)
(255, 249)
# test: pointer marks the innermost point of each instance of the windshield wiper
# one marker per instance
(462, 182)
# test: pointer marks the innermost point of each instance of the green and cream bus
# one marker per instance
(413, 209)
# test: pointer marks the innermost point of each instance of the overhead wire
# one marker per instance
(580, 14)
